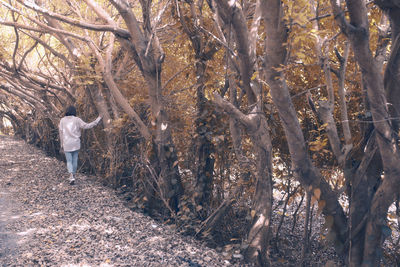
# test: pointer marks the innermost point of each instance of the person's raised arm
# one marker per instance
(85, 125)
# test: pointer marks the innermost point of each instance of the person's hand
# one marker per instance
(98, 119)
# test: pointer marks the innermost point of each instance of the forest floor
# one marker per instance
(44, 221)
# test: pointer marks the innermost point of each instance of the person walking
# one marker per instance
(70, 132)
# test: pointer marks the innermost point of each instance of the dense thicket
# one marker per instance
(210, 107)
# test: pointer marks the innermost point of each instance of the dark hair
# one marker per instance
(71, 111)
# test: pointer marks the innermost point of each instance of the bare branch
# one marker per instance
(232, 110)
(79, 23)
(53, 51)
(46, 28)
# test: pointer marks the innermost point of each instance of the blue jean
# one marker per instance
(72, 161)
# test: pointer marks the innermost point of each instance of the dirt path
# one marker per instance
(7, 239)
(46, 222)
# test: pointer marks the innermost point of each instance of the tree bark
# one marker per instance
(365, 179)
(307, 174)
(357, 32)
(255, 124)
(204, 147)
(259, 234)
(392, 71)
(151, 57)
(342, 99)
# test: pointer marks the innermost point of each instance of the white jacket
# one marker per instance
(70, 132)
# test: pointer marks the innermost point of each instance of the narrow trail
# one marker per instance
(44, 221)
(7, 239)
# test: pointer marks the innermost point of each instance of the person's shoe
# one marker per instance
(72, 179)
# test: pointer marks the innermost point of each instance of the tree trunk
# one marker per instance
(306, 173)
(392, 72)
(204, 51)
(306, 232)
(260, 231)
(150, 58)
(255, 124)
(257, 127)
(204, 161)
(357, 31)
(365, 179)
